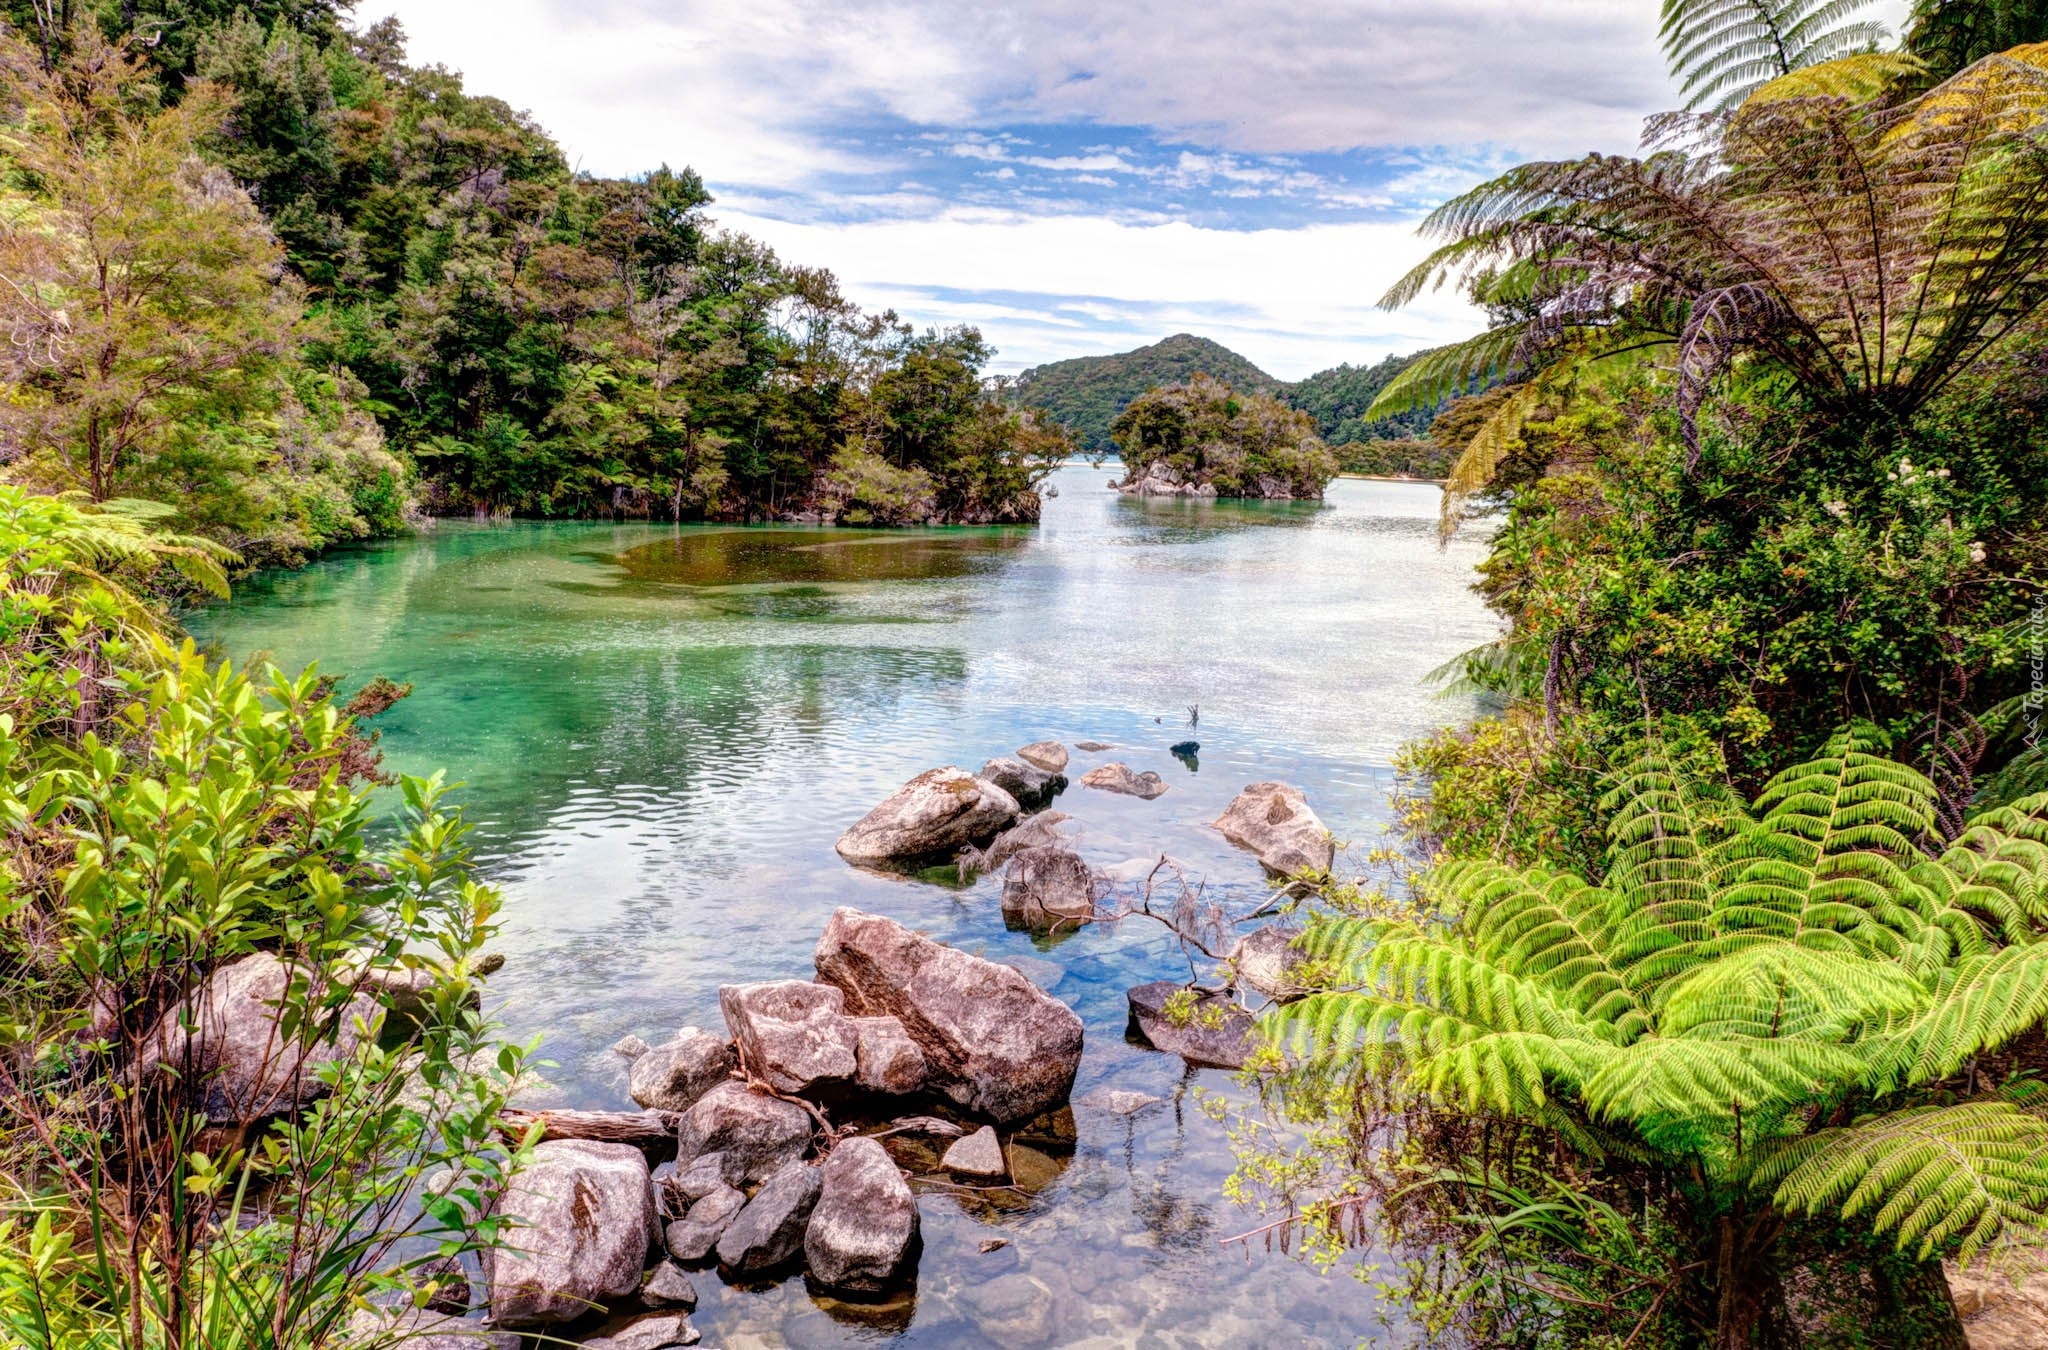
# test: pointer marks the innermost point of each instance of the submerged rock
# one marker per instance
(935, 814)
(1048, 888)
(976, 1155)
(865, 1222)
(1032, 787)
(1207, 1030)
(758, 1133)
(1050, 756)
(630, 1047)
(225, 1042)
(770, 1230)
(793, 1033)
(1093, 747)
(1274, 821)
(584, 1215)
(996, 1044)
(1120, 779)
(1120, 1101)
(673, 1076)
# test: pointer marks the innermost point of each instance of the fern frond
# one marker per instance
(1721, 50)
(1984, 1003)
(1495, 440)
(1688, 1094)
(1553, 930)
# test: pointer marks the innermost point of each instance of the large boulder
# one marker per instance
(996, 1044)
(935, 814)
(694, 1236)
(770, 1230)
(1207, 1030)
(226, 1042)
(759, 1134)
(582, 1220)
(1032, 786)
(673, 1076)
(793, 1033)
(1274, 821)
(1048, 888)
(890, 1061)
(865, 1222)
(1050, 756)
(1118, 778)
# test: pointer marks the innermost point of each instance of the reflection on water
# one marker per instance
(662, 731)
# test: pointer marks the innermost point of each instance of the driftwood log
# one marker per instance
(652, 1132)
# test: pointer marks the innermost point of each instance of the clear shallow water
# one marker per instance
(662, 730)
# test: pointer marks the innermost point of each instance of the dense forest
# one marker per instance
(1087, 393)
(274, 275)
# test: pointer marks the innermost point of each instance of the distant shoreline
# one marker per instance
(1394, 478)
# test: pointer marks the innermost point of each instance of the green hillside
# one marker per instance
(1087, 392)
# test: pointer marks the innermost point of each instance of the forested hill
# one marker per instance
(1087, 392)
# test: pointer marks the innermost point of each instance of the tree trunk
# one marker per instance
(1750, 1295)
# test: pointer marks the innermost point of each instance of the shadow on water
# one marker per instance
(774, 555)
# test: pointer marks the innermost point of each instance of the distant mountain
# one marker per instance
(1087, 392)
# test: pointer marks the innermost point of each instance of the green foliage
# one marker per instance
(1204, 433)
(1786, 1007)
(165, 818)
(1086, 393)
(1722, 50)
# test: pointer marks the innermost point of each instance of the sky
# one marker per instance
(1080, 176)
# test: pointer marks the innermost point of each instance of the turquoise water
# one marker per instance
(662, 730)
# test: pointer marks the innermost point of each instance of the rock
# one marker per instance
(761, 1134)
(926, 1125)
(707, 1173)
(223, 1041)
(1050, 756)
(1274, 821)
(1265, 960)
(1041, 830)
(649, 1333)
(1206, 1030)
(630, 1047)
(425, 1329)
(793, 1033)
(1119, 778)
(770, 1230)
(447, 1283)
(672, 1077)
(1032, 786)
(1011, 1310)
(935, 814)
(865, 1222)
(996, 1044)
(692, 1237)
(977, 1155)
(668, 1287)
(1997, 1312)
(583, 1215)
(1185, 749)
(1047, 975)
(889, 1061)
(1048, 888)
(1093, 747)
(1120, 1101)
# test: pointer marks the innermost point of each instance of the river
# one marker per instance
(661, 730)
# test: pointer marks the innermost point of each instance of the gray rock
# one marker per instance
(996, 1043)
(450, 1285)
(1119, 778)
(1032, 786)
(707, 1173)
(425, 1329)
(761, 1134)
(1047, 888)
(1093, 747)
(1050, 756)
(673, 1076)
(890, 1061)
(935, 814)
(1047, 975)
(692, 1237)
(1212, 1031)
(770, 1230)
(668, 1287)
(630, 1047)
(793, 1033)
(582, 1218)
(224, 1044)
(865, 1222)
(1265, 960)
(1041, 830)
(976, 1155)
(649, 1333)
(1274, 821)
(1120, 1101)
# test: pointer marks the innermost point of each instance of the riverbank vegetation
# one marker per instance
(267, 272)
(1716, 1019)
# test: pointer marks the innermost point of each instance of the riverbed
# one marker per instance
(661, 730)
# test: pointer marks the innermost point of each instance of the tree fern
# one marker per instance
(1721, 50)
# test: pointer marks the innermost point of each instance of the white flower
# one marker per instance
(1976, 552)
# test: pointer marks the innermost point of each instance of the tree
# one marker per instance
(1722, 50)
(1782, 1011)
(1204, 432)
(143, 292)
